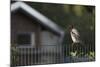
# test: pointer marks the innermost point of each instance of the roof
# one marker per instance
(33, 13)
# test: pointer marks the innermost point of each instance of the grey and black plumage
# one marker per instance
(77, 44)
(75, 36)
(78, 47)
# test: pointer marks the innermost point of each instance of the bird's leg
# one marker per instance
(75, 48)
(72, 47)
(72, 44)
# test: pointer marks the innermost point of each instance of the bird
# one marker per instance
(75, 36)
(78, 46)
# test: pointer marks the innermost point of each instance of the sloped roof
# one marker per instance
(33, 13)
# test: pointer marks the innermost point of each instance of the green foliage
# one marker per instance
(14, 58)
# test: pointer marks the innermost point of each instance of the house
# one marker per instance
(38, 39)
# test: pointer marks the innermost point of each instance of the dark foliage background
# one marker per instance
(81, 16)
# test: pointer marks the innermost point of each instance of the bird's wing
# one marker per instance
(75, 32)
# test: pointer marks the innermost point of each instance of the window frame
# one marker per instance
(31, 39)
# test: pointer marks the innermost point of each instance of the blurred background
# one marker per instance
(81, 16)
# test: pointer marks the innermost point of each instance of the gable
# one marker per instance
(21, 22)
(38, 16)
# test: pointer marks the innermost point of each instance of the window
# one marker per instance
(24, 39)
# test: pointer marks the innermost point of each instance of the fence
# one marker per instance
(34, 56)
(79, 53)
(51, 54)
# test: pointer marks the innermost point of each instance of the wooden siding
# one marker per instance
(21, 23)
